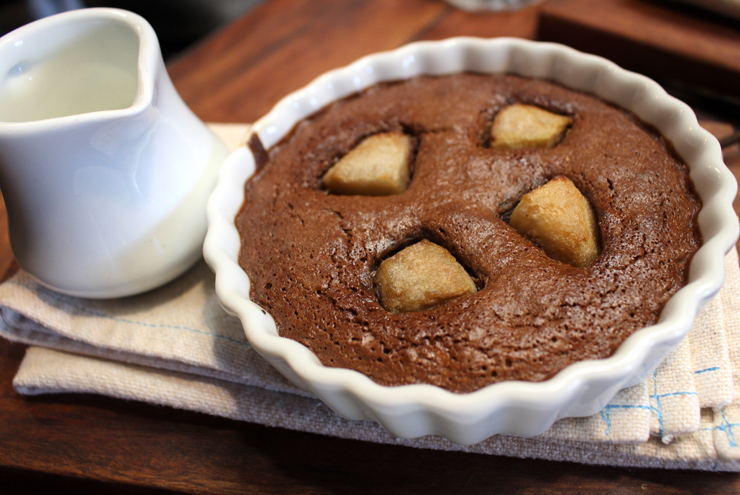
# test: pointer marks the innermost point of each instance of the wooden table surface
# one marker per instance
(90, 444)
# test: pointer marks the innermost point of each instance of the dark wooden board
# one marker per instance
(667, 41)
(86, 444)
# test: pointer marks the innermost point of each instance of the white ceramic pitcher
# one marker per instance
(104, 169)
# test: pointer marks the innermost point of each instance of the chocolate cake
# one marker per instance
(312, 255)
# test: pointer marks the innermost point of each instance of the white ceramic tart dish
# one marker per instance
(520, 408)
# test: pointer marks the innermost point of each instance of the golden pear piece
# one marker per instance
(525, 126)
(378, 166)
(561, 220)
(419, 277)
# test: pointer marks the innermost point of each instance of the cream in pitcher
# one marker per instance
(104, 169)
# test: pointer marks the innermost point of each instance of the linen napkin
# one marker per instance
(175, 346)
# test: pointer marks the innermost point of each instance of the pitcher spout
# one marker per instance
(91, 67)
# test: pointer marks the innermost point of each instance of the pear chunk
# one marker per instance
(561, 220)
(524, 126)
(419, 277)
(378, 166)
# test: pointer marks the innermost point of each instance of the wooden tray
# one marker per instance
(664, 40)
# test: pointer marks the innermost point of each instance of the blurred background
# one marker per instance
(178, 23)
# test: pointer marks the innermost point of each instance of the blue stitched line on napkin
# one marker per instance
(606, 413)
(56, 297)
(715, 368)
(725, 427)
(658, 409)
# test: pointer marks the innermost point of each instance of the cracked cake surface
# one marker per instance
(311, 256)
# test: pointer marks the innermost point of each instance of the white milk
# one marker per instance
(104, 169)
(95, 72)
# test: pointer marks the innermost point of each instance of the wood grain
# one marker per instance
(662, 40)
(285, 44)
(91, 444)
(7, 262)
(518, 23)
(74, 439)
